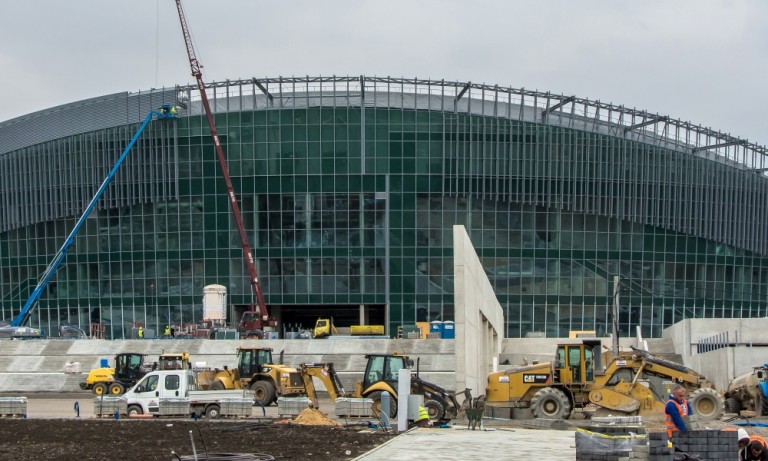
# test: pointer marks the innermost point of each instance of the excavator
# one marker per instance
(381, 374)
(632, 382)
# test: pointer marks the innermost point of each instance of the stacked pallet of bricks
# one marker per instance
(354, 407)
(236, 407)
(658, 448)
(598, 446)
(708, 444)
(173, 407)
(291, 406)
(12, 407)
(107, 405)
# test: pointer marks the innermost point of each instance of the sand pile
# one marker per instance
(313, 417)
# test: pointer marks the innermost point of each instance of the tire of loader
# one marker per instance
(435, 410)
(732, 405)
(376, 407)
(100, 389)
(706, 404)
(551, 403)
(761, 406)
(116, 389)
(217, 386)
(263, 393)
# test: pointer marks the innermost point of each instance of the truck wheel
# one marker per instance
(116, 389)
(732, 405)
(134, 410)
(763, 404)
(706, 404)
(212, 412)
(551, 403)
(435, 410)
(217, 386)
(100, 389)
(376, 407)
(263, 393)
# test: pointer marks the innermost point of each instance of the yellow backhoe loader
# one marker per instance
(381, 374)
(258, 372)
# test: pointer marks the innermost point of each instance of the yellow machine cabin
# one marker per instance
(634, 382)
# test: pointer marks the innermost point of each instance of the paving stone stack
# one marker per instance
(611, 438)
(708, 444)
(658, 447)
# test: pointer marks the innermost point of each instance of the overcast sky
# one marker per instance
(702, 61)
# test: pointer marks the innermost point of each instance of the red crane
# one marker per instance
(196, 67)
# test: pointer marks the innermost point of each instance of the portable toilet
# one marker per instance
(449, 330)
(436, 329)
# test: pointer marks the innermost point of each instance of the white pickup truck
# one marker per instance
(175, 392)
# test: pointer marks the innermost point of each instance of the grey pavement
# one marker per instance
(462, 444)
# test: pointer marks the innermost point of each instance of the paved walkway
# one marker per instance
(461, 444)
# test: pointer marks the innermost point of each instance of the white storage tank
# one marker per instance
(215, 303)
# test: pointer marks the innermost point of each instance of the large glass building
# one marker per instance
(349, 188)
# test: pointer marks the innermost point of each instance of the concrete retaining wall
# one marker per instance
(40, 365)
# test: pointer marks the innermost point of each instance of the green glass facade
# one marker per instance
(349, 191)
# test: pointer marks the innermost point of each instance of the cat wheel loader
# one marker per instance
(631, 383)
(258, 372)
(381, 374)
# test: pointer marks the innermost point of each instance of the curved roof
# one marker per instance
(461, 97)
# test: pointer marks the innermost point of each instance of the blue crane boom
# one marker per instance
(26, 311)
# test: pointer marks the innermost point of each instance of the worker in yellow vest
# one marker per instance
(423, 419)
(167, 332)
(141, 332)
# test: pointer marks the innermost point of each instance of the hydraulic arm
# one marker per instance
(54, 265)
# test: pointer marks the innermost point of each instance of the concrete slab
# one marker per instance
(453, 444)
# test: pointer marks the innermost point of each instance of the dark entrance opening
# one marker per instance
(305, 316)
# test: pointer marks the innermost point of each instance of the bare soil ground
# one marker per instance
(94, 439)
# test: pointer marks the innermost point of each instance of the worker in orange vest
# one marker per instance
(746, 440)
(678, 411)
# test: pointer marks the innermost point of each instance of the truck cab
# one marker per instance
(144, 397)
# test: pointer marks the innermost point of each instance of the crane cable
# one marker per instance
(157, 40)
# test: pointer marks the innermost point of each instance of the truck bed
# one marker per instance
(208, 396)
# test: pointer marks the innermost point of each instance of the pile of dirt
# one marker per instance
(92, 439)
(314, 417)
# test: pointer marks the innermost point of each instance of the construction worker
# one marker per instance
(755, 451)
(141, 332)
(167, 332)
(745, 440)
(678, 411)
(423, 418)
(173, 111)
